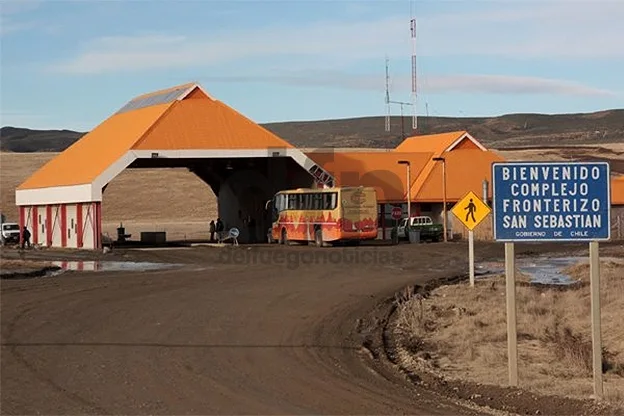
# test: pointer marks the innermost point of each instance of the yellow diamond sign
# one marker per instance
(471, 210)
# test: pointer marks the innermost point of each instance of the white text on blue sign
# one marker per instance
(551, 201)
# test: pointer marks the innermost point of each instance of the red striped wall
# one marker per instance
(98, 225)
(63, 225)
(48, 225)
(79, 226)
(88, 219)
(22, 222)
(35, 225)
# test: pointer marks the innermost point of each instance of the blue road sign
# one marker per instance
(551, 201)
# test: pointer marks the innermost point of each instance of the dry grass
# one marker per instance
(464, 331)
(14, 169)
(173, 199)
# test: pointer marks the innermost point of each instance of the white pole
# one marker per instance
(408, 195)
(444, 199)
(594, 272)
(512, 342)
(471, 257)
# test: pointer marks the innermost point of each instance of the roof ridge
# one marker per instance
(457, 132)
(184, 86)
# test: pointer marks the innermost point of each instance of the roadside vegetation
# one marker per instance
(460, 332)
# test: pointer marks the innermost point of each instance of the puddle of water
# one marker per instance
(109, 266)
(547, 271)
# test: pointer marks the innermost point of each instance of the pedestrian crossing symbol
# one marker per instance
(471, 210)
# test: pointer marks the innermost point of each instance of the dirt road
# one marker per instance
(219, 335)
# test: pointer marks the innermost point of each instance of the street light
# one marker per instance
(409, 182)
(441, 159)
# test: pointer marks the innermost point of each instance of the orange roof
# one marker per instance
(617, 191)
(207, 124)
(377, 169)
(155, 121)
(435, 143)
(86, 159)
(465, 171)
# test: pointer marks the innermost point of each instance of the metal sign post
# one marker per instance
(471, 210)
(594, 278)
(552, 201)
(471, 258)
(512, 338)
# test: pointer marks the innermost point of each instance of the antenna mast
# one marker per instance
(387, 97)
(388, 102)
(414, 80)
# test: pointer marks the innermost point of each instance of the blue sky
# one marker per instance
(71, 64)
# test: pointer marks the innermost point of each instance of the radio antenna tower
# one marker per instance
(414, 79)
(389, 101)
(387, 96)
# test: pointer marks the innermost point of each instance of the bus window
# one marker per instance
(292, 201)
(326, 201)
(330, 200)
(306, 202)
(318, 201)
(272, 205)
(281, 202)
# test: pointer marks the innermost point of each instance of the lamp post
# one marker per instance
(441, 159)
(408, 185)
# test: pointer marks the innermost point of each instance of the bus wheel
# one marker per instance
(284, 237)
(318, 238)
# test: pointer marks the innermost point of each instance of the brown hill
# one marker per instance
(508, 131)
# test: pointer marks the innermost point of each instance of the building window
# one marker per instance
(72, 224)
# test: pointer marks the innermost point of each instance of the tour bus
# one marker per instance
(324, 216)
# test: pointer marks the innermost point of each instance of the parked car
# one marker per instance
(10, 233)
(428, 229)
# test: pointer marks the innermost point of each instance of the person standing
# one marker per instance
(25, 237)
(219, 227)
(212, 230)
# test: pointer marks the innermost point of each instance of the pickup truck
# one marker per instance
(428, 230)
(10, 233)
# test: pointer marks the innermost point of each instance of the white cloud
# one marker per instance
(551, 30)
(487, 84)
